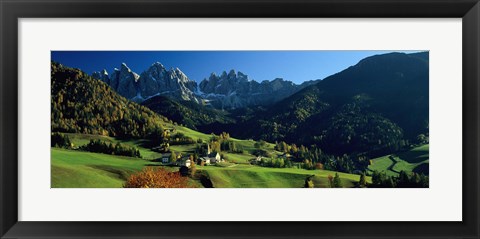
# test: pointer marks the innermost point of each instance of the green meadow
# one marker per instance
(78, 169)
(75, 169)
(82, 139)
(413, 160)
(248, 176)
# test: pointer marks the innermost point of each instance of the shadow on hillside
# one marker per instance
(144, 143)
(414, 156)
(422, 168)
(121, 174)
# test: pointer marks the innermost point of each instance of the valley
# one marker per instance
(363, 127)
(78, 169)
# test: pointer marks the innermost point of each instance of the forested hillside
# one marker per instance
(376, 106)
(82, 104)
(188, 113)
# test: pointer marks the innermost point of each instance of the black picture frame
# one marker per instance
(11, 11)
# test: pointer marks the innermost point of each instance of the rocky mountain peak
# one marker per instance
(232, 89)
(178, 74)
(158, 64)
(156, 80)
(232, 74)
(240, 75)
(235, 90)
(102, 75)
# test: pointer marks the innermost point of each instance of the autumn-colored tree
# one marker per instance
(293, 149)
(330, 180)
(156, 178)
(319, 166)
(173, 157)
(192, 169)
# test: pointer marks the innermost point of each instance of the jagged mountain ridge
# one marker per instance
(156, 80)
(224, 91)
(235, 90)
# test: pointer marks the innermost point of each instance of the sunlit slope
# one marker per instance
(414, 160)
(244, 176)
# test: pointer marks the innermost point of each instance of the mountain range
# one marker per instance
(156, 80)
(225, 91)
(374, 107)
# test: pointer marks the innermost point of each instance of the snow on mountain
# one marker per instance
(155, 80)
(225, 91)
(236, 90)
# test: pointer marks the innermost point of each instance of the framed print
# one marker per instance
(259, 119)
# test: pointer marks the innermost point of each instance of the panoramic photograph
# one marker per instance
(240, 119)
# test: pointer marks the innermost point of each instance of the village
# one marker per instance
(187, 160)
(202, 155)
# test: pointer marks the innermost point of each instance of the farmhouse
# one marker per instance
(256, 160)
(166, 158)
(214, 157)
(185, 161)
(211, 158)
(205, 160)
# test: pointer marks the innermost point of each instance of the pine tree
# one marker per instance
(362, 182)
(337, 182)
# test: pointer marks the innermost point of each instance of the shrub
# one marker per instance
(156, 178)
(60, 141)
(309, 182)
(337, 182)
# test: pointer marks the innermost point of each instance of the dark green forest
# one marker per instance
(375, 107)
(190, 114)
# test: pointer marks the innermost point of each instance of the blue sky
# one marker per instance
(296, 66)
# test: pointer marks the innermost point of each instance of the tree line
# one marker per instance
(98, 146)
(403, 180)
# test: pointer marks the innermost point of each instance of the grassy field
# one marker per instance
(247, 145)
(74, 169)
(248, 176)
(82, 139)
(414, 160)
(239, 158)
